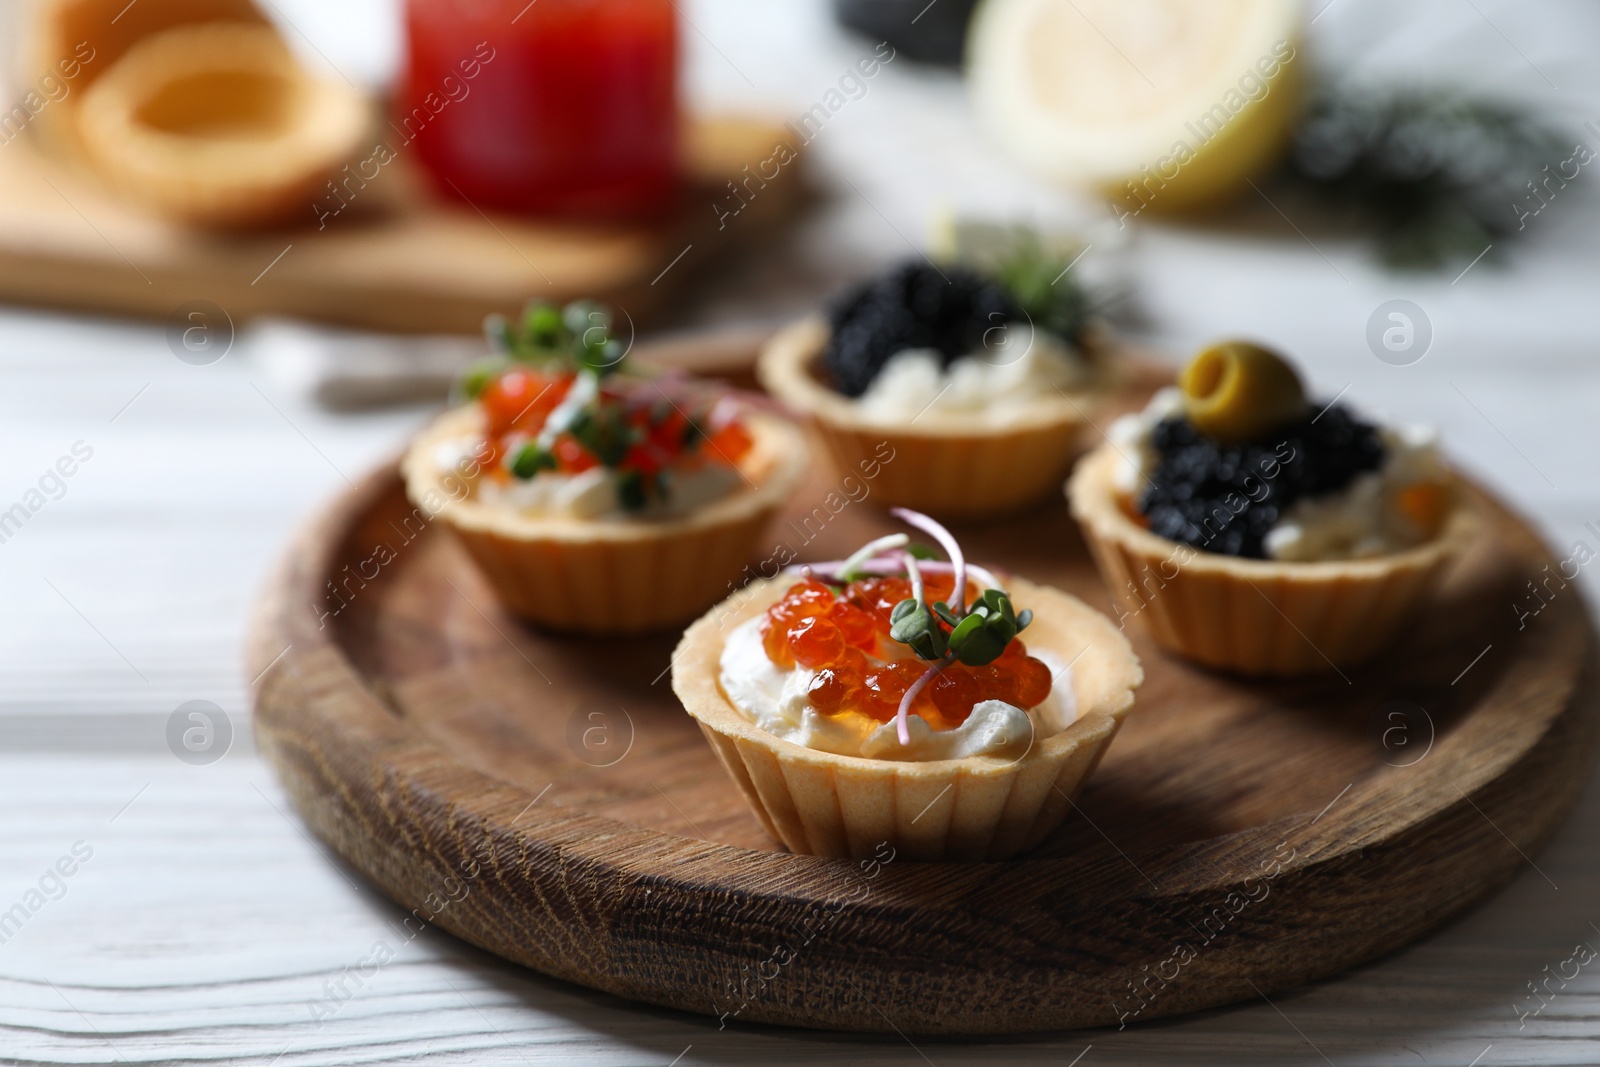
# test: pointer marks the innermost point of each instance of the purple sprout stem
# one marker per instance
(902, 728)
(915, 574)
(888, 565)
(866, 553)
(958, 562)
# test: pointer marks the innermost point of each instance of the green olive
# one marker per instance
(1236, 392)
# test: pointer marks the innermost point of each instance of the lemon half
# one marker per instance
(1159, 104)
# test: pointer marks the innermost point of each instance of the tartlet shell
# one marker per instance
(57, 31)
(220, 181)
(615, 576)
(946, 465)
(977, 808)
(1259, 618)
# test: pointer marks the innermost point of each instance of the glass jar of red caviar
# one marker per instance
(564, 107)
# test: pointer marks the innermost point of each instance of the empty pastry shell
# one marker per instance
(76, 41)
(216, 124)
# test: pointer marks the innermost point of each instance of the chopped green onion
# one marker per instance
(530, 460)
(630, 490)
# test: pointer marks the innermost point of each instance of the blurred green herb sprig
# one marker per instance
(575, 337)
(1437, 176)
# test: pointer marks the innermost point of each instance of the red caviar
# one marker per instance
(521, 398)
(641, 432)
(815, 642)
(833, 632)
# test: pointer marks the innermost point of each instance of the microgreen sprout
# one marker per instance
(852, 566)
(902, 725)
(938, 632)
(576, 337)
(911, 621)
(946, 542)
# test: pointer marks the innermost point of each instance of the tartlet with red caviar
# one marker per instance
(888, 697)
(596, 499)
(1255, 532)
(980, 380)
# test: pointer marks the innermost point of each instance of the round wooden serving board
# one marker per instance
(547, 799)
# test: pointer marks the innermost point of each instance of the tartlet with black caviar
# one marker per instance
(597, 498)
(1252, 531)
(978, 380)
(890, 698)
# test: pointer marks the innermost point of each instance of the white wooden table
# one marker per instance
(201, 923)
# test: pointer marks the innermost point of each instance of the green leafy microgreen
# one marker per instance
(1038, 281)
(530, 460)
(604, 432)
(911, 623)
(541, 325)
(601, 356)
(987, 629)
(581, 316)
(577, 336)
(631, 490)
(918, 550)
(965, 634)
(693, 434)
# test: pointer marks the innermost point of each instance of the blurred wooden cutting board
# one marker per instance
(394, 259)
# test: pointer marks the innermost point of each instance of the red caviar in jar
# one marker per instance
(561, 107)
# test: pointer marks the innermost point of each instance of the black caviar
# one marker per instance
(1225, 498)
(912, 306)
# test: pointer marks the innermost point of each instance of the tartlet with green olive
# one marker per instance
(1255, 532)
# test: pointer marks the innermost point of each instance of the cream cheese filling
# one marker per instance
(593, 493)
(1008, 377)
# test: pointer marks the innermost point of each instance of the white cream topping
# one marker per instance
(1357, 522)
(1133, 436)
(593, 493)
(994, 385)
(776, 700)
